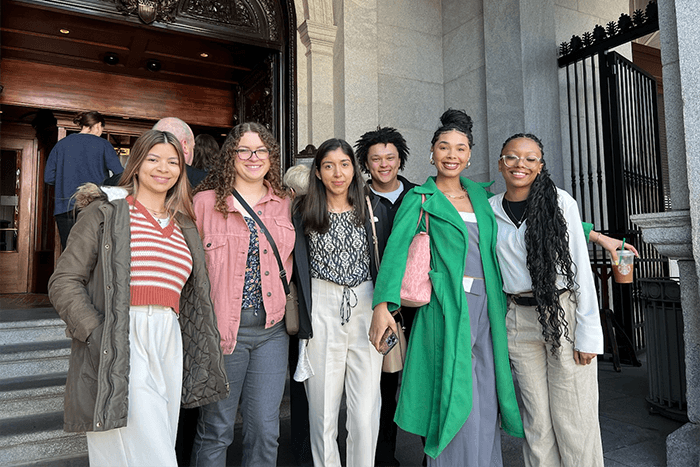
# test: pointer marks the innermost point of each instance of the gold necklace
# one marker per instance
(462, 196)
(154, 212)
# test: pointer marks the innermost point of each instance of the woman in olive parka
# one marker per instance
(457, 378)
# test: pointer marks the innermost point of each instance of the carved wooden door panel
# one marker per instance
(257, 97)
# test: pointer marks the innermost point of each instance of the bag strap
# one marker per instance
(421, 215)
(374, 231)
(273, 245)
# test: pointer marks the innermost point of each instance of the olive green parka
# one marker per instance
(90, 291)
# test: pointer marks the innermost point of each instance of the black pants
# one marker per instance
(386, 444)
(65, 222)
(299, 410)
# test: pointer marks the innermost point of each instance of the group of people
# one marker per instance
(179, 301)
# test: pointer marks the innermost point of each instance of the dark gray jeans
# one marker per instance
(256, 371)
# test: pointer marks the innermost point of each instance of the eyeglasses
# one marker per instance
(244, 153)
(530, 162)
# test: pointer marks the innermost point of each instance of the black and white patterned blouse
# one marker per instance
(341, 256)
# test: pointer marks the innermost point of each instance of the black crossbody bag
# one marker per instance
(292, 307)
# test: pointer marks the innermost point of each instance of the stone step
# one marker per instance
(13, 314)
(75, 460)
(32, 331)
(34, 350)
(30, 402)
(37, 382)
(35, 364)
(33, 440)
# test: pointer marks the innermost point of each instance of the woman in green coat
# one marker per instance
(457, 377)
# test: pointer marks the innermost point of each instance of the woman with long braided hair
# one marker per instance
(553, 323)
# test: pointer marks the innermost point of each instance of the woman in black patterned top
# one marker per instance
(335, 269)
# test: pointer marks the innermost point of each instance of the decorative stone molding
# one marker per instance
(320, 11)
(317, 37)
(669, 232)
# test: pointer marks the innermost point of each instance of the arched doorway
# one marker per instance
(212, 63)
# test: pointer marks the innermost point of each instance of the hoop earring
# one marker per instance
(432, 161)
(469, 162)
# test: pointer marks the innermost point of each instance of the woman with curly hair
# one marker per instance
(247, 292)
(554, 331)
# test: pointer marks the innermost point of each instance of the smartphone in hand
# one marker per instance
(389, 340)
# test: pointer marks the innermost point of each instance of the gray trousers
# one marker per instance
(256, 372)
(478, 442)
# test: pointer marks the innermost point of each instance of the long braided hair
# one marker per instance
(548, 254)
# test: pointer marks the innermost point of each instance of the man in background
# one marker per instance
(382, 153)
(183, 133)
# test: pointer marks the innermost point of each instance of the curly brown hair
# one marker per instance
(222, 176)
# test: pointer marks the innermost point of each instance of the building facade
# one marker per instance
(315, 69)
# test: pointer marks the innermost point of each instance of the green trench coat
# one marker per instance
(436, 393)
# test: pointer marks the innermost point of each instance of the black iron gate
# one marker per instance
(615, 155)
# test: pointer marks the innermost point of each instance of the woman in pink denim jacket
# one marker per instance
(247, 293)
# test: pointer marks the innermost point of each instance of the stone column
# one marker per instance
(676, 234)
(355, 68)
(522, 86)
(319, 39)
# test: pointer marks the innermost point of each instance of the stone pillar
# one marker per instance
(676, 234)
(319, 39)
(356, 69)
(522, 86)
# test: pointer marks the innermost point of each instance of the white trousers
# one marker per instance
(560, 413)
(341, 355)
(155, 388)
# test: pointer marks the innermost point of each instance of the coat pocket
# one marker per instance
(91, 363)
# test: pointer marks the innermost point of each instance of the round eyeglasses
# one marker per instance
(530, 162)
(245, 153)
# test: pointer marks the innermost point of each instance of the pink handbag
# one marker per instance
(416, 287)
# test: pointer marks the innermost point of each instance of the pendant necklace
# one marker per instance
(517, 221)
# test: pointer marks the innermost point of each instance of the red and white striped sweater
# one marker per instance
(161, 262)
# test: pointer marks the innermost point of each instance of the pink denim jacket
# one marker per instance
(226, 247)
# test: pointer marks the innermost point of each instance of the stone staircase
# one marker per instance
(33, 366)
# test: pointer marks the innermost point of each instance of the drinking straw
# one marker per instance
(622, 248)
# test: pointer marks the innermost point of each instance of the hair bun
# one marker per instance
(458, 118)
(77, 120)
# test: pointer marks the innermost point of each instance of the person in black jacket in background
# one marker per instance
(382, 153)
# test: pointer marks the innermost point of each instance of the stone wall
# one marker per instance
(401, 63)
(410, 76)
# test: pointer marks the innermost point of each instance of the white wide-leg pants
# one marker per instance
(155, 388)
(342, 356)
(560, 413)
